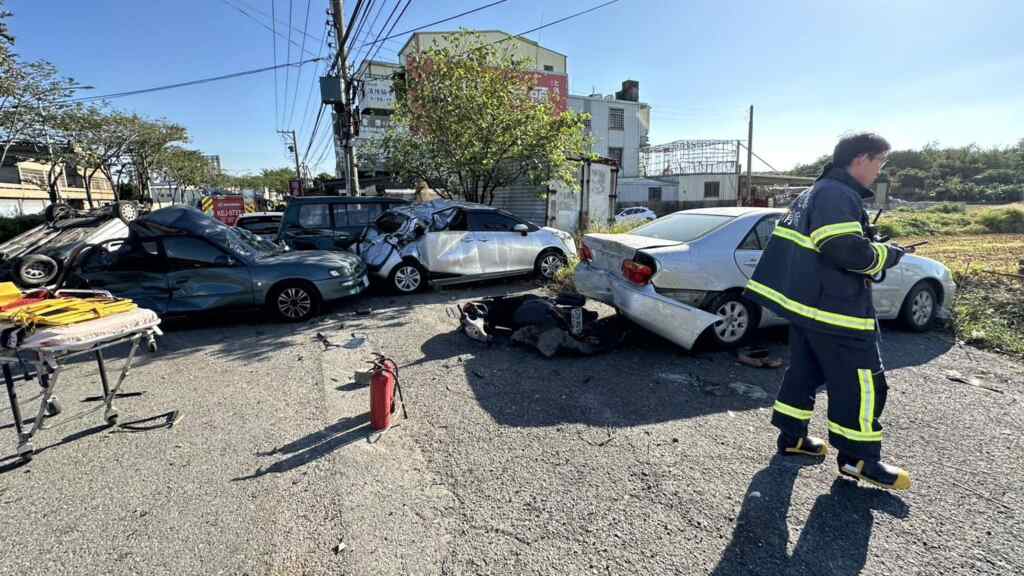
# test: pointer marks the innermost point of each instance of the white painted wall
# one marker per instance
(635, 189)
(636, 125)
(691, 187)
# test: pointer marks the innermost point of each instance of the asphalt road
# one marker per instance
(635, 461)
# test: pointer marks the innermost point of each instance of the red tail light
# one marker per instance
(637, 273)
(585, 254)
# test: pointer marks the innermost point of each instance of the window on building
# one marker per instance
(616, 119)
(549, 68)
(587, 126)
(654, 194)
(711, 189)
(615, 154)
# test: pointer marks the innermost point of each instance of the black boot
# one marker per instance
(808, 446)
(878, 473)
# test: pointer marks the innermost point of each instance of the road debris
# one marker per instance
(325, 341)
(757, 358)
(711, 389)
(954, 376)
(340, 547)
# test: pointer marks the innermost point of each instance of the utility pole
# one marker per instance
(343, 111)
(750, 153)
(294, 149)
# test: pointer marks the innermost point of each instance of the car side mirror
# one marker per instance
(521, 228)
(225, 260)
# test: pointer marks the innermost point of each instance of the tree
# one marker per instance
(465, 123)
(276, 180)
(147, 148)
(814, 168)
(185, 169)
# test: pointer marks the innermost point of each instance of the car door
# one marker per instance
(202, 276)
(502, 248)
(451, 251)
(309, 227)
(748, 254)
(135, 270)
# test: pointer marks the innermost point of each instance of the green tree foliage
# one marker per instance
(962, 174)
(466, 124)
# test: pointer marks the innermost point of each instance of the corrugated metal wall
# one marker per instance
(523, 200)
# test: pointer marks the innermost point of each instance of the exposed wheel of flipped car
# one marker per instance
(55, 212)
(740, 317)
(126, 211)
(920, 307)
(294, 301)
(408, 277)
(549, 262)
(37, 270)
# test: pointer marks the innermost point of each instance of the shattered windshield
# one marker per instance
(245, 243)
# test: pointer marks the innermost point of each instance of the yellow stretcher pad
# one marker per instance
(64, 311)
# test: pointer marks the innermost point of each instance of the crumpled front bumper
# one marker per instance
(677, 322)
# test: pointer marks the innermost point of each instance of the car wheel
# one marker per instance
(740, 317)
(294, 302)
(920, 307)
(549, 263)
(37, 270)
(126, 211)
(408, 277)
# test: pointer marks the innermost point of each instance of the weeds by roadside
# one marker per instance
(953, 219)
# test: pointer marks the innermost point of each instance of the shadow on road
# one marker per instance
(833, 541)
(314, 446)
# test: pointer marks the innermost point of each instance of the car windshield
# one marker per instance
(247, 244)
(682, 226)
(260, 224)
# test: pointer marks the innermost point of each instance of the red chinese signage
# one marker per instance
(554, 87)
(228, 209)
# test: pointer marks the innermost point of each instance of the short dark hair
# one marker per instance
(853, 145)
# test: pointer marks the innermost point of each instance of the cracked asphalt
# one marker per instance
(640, 460)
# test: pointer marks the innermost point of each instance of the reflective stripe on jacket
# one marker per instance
(816, 269)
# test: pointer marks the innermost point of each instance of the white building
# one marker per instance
(618, 128)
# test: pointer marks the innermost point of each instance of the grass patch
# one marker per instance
(988, 311)
(953, 219)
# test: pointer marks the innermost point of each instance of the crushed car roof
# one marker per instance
(176, 220)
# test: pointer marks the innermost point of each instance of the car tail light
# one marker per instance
(585, 254)
(636, 272)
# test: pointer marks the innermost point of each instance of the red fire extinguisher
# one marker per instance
(383, 383)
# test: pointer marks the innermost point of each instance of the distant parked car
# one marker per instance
(445, 242)
(266, 225)
(635, 214)
(686, 271)
(36, 257)
(178, 260)
(330, 222)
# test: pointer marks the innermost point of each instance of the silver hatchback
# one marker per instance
(445, 242)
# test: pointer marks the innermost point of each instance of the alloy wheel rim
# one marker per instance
(407, 278)
(922, 307)
(294, 303)
(550, 265)
(37, 271)
(734, 323)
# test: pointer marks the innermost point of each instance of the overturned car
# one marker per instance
(36, 257)
(445, 242)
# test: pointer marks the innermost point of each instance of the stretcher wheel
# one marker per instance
(111, 417)
(53, 407)
(26, 451)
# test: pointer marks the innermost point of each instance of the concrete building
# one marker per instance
(541, 58)
(23, 183)
(618, 127)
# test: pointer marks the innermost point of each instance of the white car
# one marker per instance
(635, 214)
(263, 224)
(685, 272)
(445, 242)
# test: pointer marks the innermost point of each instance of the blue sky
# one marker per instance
(916, 71)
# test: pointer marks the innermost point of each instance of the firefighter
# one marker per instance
(817, 272)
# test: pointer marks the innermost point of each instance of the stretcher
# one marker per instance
(41, 355)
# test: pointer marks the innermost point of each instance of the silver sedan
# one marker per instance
(685, 272)
(444, 242)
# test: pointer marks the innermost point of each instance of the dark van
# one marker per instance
(330, 222)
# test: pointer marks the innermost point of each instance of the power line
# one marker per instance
(258, 21)
(273, 11)
(264, 13)
(295, 96)
(435, 23)
(287, 71)
(352, 54)
(357, 30)
(355, 14)
(312, 136)
(195, 82)
(774, 169)
(370, 57)
(559, 21)
(312, 86)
